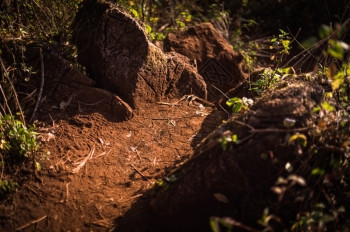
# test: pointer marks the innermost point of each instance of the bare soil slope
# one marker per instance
(97, 168)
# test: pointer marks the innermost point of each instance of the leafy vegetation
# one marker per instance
(17, 143)
(239, 104)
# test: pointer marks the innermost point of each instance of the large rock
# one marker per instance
(237, 182)
(118, 56)
(217, 62)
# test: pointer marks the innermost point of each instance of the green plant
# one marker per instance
(17, 141)
(316, 219)
(266, 219)
(269, 78)
(41, 21)
(165, 182)
(254, 51)
(227, 140)
(239, 104)
(7, 186)
(281, 43)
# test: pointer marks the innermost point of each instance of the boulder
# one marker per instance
(117, 54)
(217, 62)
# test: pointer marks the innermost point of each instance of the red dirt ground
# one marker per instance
(119, 162)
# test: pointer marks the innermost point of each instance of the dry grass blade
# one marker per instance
(108, 223)
(83, 162)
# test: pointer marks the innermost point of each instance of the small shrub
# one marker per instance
(17, 143)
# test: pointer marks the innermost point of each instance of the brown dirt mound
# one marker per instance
(217, 62)
(119, 57)
(237, 182)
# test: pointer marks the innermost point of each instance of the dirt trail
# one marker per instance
(119, 162)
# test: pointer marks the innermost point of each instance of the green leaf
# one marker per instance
(337, 83)
(309, 42)
(324, 31)
(316, 109)
(298, 137)
(214, 224)
(318, 171)
(326, 106)
(335, 49)
(235, 138)
(37, 166)
(236, 104)
(237, 107)
(148, 29)
(134, 13)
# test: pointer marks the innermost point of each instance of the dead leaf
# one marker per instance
(221, 198)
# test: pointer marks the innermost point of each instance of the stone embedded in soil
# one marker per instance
(117, 54)
(242, 176)
(217, 62)
(67, 87)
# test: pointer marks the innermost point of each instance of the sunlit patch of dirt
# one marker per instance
(94, 169)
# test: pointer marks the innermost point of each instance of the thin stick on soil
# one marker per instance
(5, 102)
(41, 87)
(131, 198)
(67, 192)
(221, 91)
(2, 166)
(17, 102)
(168, 104)
(139, 172)
(31, 223)
(102, 154)
(2, 91)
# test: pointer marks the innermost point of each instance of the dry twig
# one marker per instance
(41, 86)
(67, 192)
(31, 223)
(139, 172)
(131, 198)
(83, 162)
